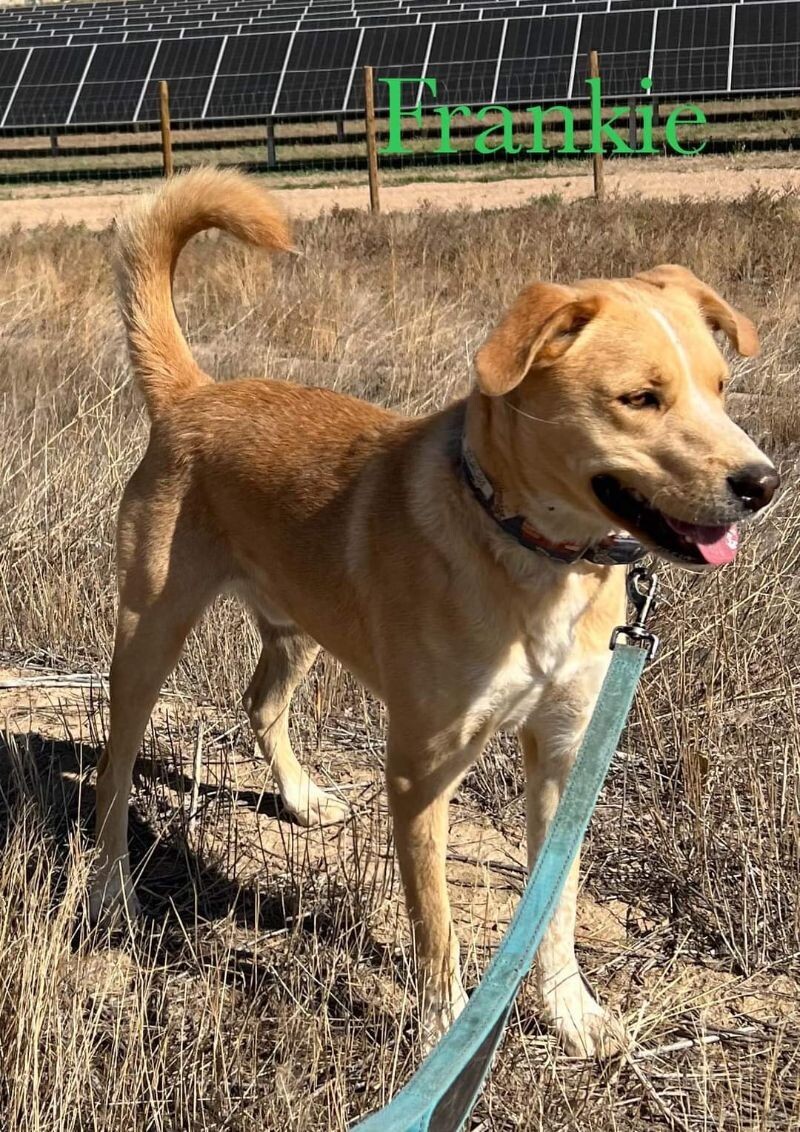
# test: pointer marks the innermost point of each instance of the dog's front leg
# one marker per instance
(550, 743)
(419, 796)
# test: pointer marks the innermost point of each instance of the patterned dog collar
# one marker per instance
(613, 550)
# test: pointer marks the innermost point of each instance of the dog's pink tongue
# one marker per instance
(718, 545)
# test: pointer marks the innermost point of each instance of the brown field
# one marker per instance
(667, 179)
(268, 983)
(494, 185)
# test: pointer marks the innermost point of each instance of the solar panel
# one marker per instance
(41, 41)
(682, 28)
(160, 20)
(537, 61)
(383, 19)
(756, 68)
(188, 65)
(113, 84)
(540, 38)
(463, 59)
(110, 103)
(503, 11)
(616, 32)
(11, 66)
(120, 63)
(11, 63)
(768, 23)
(47, 85)
(318, 72)
(393, 53)
(766, 48)
(705, 69)
(225, 59)
(395, 47)
(142, 37)
(248, 76)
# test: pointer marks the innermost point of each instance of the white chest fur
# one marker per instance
(548, 653)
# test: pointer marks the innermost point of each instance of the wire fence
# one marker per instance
(470, 115)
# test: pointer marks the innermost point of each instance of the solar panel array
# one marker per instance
(98, 64)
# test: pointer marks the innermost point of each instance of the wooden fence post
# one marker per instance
(272, 159)
(372, 151)
(597, 158)
(166, 130)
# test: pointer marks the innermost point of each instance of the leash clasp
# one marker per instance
(641, 586)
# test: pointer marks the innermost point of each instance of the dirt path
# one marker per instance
(98, 211)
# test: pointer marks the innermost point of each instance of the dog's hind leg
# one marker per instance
(165, 583)
(286, 656)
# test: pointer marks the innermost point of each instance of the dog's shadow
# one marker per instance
(178, 889)
(264, 802)
(56, 774)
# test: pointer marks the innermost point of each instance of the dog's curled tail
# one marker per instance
(151, 238)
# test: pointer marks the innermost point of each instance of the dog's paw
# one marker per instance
(438, 1013)
(311, 806)
(584, 1027)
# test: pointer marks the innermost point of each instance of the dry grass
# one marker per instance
(267, 985)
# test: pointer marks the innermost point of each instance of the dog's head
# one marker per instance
(617, 389)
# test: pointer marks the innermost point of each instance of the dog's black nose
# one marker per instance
(755, 485)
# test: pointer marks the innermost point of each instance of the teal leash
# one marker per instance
(441, 1094)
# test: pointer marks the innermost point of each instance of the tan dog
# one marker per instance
(468, 592)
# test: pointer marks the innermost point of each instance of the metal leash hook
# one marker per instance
(641, 585)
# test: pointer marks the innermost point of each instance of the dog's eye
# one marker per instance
(643, 399)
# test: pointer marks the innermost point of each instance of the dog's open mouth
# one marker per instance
(688, 542)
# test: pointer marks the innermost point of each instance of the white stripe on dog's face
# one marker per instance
(672, 334)
(701, 405)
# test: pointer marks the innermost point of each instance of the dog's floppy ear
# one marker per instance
(737, 328)
(541, 325)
